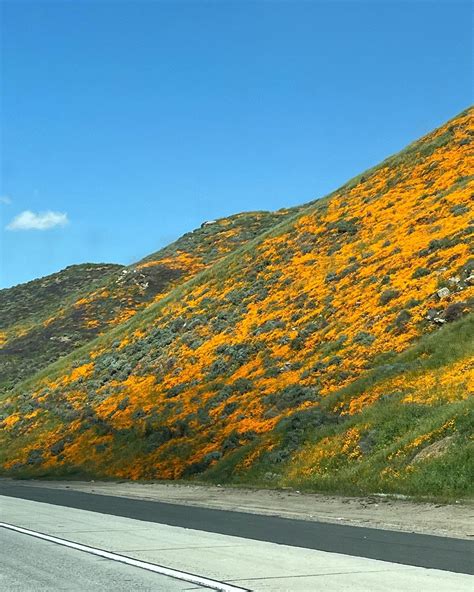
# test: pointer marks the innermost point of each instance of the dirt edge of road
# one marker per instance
(378, 511)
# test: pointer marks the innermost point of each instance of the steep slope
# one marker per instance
(45, 319)
(28, 340)
(21, 305)
(333, 351)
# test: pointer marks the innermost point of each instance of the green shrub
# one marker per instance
(364, 338)
(420, 272)
(387, 296)
(345, 226)
(291, 396)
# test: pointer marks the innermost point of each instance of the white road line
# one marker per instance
(166, 571)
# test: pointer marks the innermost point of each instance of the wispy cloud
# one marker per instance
(5, 199)
(28, 220)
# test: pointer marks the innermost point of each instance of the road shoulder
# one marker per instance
(383, 512)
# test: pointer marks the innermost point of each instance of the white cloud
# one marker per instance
(5, 199)
(28, 220)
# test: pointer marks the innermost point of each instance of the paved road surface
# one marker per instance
(454, 555)
(241, 562)
(29, 564)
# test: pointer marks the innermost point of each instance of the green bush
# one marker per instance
(420, 272)
(388, 295)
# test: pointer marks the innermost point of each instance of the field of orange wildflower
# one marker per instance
(326, 351)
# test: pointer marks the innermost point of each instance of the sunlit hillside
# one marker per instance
(45, 319)
(331, 352)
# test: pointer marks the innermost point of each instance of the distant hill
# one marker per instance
(330, 347)
(45, 319)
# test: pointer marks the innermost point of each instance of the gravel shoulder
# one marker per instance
(451, 520)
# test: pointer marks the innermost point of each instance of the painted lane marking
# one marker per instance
(160, 569)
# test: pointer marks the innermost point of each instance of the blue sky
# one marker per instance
(126, 124)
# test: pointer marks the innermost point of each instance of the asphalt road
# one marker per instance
(29, 564)
(454, 555)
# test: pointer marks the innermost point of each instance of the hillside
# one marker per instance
(29, 339)
(48, 318)
(331, 352)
